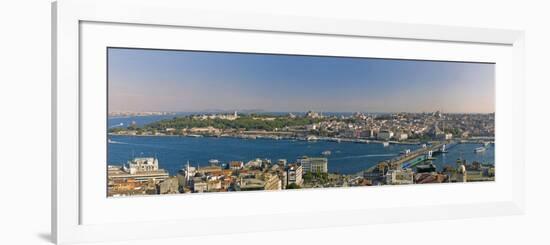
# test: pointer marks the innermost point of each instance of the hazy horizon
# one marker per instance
(142, 80)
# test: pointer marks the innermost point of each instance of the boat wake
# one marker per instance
(117, 142)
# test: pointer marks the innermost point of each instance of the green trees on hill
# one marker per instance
(244, 122)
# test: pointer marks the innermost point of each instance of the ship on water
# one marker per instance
(479, 149)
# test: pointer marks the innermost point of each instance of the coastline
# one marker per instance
(249, 137)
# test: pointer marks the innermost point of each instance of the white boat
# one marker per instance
(386, 144)
(479, 149)
(311, 138)
(326, 153)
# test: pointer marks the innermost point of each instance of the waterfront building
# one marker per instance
(294, 174)
(254, 163)
(366, 133)
(385, 135)
(281, 162)
(266, 163)
(314, 164)
(400, 177)
(236, 165)
(139, 169)
(143, 164)
(401, 136)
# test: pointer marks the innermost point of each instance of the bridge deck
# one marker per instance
(412, 156)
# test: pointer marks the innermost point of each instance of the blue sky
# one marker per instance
(167, 80)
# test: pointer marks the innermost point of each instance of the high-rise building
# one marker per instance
(294, 174)
(314, 164)
(272, 182)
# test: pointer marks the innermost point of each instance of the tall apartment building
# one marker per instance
(314, 164)
(294, 174)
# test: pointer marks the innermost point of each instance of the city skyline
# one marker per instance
(142, 80)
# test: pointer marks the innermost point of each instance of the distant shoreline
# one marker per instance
(325, 139)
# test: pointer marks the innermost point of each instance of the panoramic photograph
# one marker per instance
(186, 122)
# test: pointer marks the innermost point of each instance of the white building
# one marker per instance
(314, 164)
(311, 127)
(143, 164)
(236, 165)
(401, 136)
(385, 135)
(294, 174)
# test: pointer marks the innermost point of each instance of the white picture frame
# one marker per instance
(68, 17)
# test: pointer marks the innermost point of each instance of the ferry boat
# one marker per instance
(326, 153)
(311, 138)
(479, 149)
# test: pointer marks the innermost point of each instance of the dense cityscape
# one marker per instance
(429, 135)
(184, 121)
